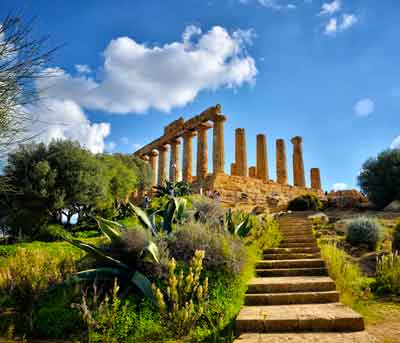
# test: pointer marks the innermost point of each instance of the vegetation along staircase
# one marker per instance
(292, 298)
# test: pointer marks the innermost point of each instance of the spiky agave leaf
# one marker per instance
(111, 229)
(144, 284)
(91, 249)
(102, 274)
(150, 253)
(144, 218)
(244, 227)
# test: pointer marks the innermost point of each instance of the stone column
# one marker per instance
(233, 169)
(262, 159)
(315, 178)
(202, 150)
(218, 145)
(174, 160)
(281, 168)
(153, 165)
(252, 171)
(240, 152)
(187, 156)
(162, 165)
(298, 163)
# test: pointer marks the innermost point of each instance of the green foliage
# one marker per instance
(396, 237)
(223, 251)
(305, 203)
(241, 229)
(118, 260)
(174, 189)
(207, 211)
(62, 180)
(364, 230)
(185, 299)
(265, 233)
(388, 274)
(28, 275)
(349, 280)
(380, 178)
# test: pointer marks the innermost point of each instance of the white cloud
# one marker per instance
(137, 146)
(364, 107)
(137, 77)
(291, 6)
(64, 119)
(330, 8)
(331, 26)
(348, 20)
(340, 186)
(274, 4)
(83, 68)
(396, 143)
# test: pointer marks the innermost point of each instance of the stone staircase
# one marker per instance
(292, 298)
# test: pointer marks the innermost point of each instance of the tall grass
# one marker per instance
(388, 274)
(350, 282)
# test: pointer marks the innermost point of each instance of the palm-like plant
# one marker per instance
(174, 189)
(113, 265)
(164, 219)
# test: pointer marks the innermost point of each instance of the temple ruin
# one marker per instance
(245, 185)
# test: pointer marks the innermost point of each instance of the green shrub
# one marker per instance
(349, 279)
(396, 237)
(29, 274)
(208, 211)
(57, 322)
(223, 251)
(305, 203)
(264, 233)
(364, 230)
(388, 274)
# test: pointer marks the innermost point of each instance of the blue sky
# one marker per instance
(325, 70)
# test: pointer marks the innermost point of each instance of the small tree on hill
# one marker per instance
(380, 178)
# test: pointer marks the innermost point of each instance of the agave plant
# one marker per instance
(164, 219)
(113, 267)
(174, 189)
(242, 229)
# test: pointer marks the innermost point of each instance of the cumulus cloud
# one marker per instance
(364, 107)
(396, 143)
(340, 186)
(331, 26)
(83, 68)
(348, 20)
(330, 8)
(64, 119)
(137, 77)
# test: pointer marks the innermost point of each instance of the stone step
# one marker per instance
(292, 272)
(291, 256)
(291, 250)
(300, 263)
(290, 284)
(303, 317)
(298, 245)
(298, 239)
(308, 337)
(291, 298)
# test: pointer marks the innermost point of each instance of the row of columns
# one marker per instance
(260, 171)
(187, 160)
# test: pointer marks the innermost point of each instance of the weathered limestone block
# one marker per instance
(252, 171)
(162, 164)
(218, 144)
(315, 178)
(281, 167)
(187, 165)
(174, 160)
(202, 150)
(153, 165)
(298, 163)
(262, 159)
(240, 152)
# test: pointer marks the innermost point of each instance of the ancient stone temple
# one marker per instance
(246, 184)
